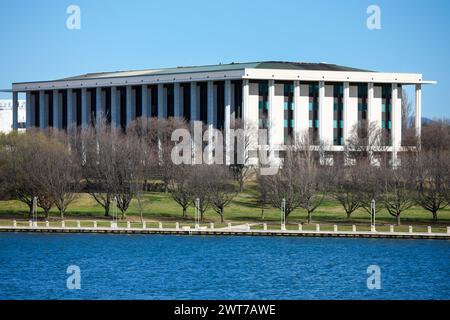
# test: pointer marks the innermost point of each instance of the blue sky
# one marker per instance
(139, 34)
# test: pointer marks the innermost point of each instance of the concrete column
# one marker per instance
(418, 120)
(396, 124)
(85, 112)
(161, 112)
(57, 110)
(34, 102)
(15, 110)
(115, 120)
(215, 105)
(28, 113)
(145, 102)
(130, 107)
(346, 131)
(233, 106)
(177, 101)
(182, 106)
(227, 121)
(322, 117)
(297, 110)
(210, 103)
(370, 97)
(245, 94)
(194, 114)
(270, 114)
(43, 110)
(70, 105)
(210, 115)
(245, 112)
(99, 107)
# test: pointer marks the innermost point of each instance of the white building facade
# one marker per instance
(286, 98)
(6, 115)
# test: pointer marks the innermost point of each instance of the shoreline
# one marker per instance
(231, 232)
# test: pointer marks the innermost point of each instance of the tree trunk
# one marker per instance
(349, 215)
(398, 220)
(184, 213)
(61, 211)
(221, 215)
(107, 204)
(262, 212)
(309, 217)
(30, 212)
(435, 217)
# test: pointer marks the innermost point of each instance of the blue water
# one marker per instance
(33, 266)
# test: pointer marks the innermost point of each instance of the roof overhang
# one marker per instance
(247, 73)
(336, 76)
(129, 80)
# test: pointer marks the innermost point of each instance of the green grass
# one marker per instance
(243, 209)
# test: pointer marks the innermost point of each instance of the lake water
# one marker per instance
(33, 266)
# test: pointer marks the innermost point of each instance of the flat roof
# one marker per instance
(277, 70)
(281, 65)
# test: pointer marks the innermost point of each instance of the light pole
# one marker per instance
(283, 214)
(34, 213)
(197, 213)
(372, 215)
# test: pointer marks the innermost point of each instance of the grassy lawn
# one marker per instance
(244, 209)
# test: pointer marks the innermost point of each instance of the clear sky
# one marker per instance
(140, 34)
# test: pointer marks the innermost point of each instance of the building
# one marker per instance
(6, 115)
(287, 98)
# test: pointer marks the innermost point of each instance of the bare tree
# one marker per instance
(366, 140)
(262, 187)
(179, 187)
(156, 134)
(18, 152)
(241, 167)
(398, 187)
(432, 184)
(311, 179)
(198, 188)
(344, 187)
(282, 188)
(370, 185)
(408, 116)
(127, 159)
(221, 189)
(3, 167)
(98, 168)
(64, 175)
(433, 167)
